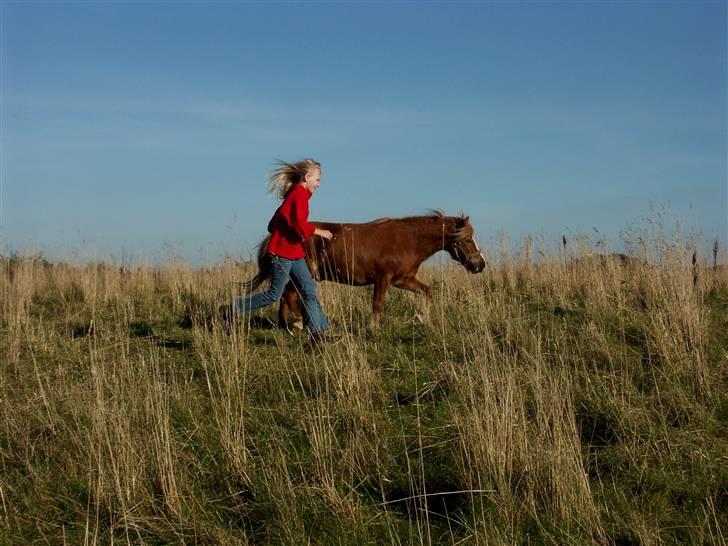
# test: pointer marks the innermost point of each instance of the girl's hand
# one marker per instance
(325, 233)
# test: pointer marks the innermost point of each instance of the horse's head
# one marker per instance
(460, 244)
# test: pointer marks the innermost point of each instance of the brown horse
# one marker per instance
(383, 252)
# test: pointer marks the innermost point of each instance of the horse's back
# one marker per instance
(359, 252)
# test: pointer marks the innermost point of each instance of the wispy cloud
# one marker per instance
(206, 110)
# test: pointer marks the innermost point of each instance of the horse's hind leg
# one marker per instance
(414, 285)
(289, 302)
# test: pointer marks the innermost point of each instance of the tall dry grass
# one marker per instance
(564, 396)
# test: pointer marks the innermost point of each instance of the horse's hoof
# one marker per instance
(298, 325)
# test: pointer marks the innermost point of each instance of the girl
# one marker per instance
(295, 183)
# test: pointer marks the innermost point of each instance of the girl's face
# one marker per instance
(312, 180)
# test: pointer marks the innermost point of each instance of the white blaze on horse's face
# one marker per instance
(478, 248)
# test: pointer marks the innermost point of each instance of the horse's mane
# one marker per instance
(458, 231)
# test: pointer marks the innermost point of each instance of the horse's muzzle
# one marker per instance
(477, 267)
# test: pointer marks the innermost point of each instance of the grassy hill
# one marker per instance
(578, 400)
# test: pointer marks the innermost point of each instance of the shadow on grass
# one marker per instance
(143, 330)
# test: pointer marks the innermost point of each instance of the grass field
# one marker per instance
(556, 398)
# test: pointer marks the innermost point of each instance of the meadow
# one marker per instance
(566, 395)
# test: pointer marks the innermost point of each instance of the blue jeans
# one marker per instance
(283, 271)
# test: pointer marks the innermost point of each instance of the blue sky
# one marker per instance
(148, 128)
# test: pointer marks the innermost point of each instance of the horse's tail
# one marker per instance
(265, 269)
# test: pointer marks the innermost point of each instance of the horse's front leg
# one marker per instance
(414, 285)
(381, 284)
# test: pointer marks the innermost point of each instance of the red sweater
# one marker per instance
(289, 226)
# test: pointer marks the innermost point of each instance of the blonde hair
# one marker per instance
(288, 174)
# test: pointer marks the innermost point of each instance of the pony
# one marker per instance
(384, 252)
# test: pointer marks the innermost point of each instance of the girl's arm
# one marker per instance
(299, 221)
(299, 218)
